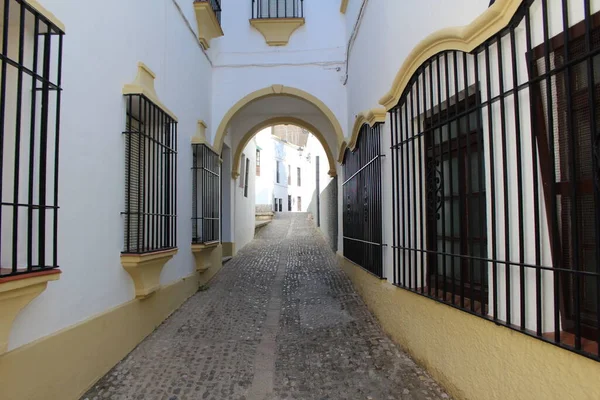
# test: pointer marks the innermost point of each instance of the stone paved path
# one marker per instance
(280, 321)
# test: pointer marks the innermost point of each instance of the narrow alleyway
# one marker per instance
(280, 321)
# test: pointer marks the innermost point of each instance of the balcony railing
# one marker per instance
(262, 9)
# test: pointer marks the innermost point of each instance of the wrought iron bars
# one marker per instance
(496, 179)
(30, 98)
(206, 191)
(150, 177)
(277, 9)
(362, 202)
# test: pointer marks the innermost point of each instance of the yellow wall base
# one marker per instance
(66, 364)
(473, 358)
(228, 249)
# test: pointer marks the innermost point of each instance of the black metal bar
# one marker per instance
(15, 216)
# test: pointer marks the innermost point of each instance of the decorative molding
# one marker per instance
(464, 39)
(277, 31)
(207, 255)
(344, 6)
(200, 137)
(235, 168)
(341, 153)
(145, 270)
(144, 85)
(276, 90)
(371, 117)
(15, 293)
(51, 17)
(208, 24)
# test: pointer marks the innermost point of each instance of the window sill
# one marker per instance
(207, 255)
(277, 31)
(15, 293)
(145, 270)
(208, 24)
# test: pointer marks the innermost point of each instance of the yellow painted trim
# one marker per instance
(464, 39)
(235, 168)
(207, 256)
(207, 22)
(51, 17)
(344, 6)
(15, 295)
(67, 363)
(144, 85)
(228, 249)
(200, 137)
(471, 357)
(277, 31)
(276, 90)
(145, 270)
(342, 152)
(371, 117)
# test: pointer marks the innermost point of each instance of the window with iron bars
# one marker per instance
(150, 177)
(216, 7)
(496, 178)
(206, 192)
(277, 9)
(246, 177)
(30, 99)
(363, 241)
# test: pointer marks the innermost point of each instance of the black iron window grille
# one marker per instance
(30, 100)
(496, 177)
(289, 176)
(150, 177)
(362, 223)
(246, 177)
(257, 162)
(277, 9)
(299, 176)
(277, 167)
(206, 192)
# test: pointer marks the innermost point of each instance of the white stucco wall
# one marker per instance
(389, 30)
(104, 42)
(244, 206)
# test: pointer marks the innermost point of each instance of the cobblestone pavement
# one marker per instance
(280, 321)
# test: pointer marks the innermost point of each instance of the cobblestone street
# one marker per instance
(280, 321)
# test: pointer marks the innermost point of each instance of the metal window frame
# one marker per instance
(521, 280)
(33, 223)
(206, 195)
(150, 216)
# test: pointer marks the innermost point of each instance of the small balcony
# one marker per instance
(276, 20)
(208, 18)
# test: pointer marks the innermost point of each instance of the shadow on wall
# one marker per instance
(328, 215)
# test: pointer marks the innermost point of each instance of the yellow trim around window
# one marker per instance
(464, 38)
(144, 84)
(370, 117)
(344, 6)
(42, 10)
(277, 31)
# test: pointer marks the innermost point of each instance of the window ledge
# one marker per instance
(207, 255)
(15, 293)
(145, 270)
(277, 31)
(208, 25)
